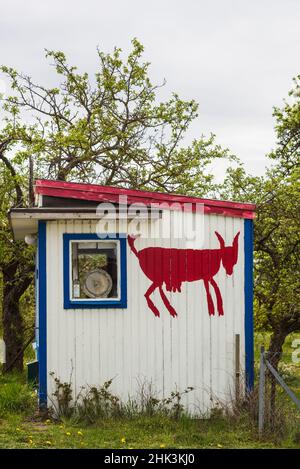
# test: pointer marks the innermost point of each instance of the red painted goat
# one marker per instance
(172, 267)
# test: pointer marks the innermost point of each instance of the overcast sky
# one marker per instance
(236, 58)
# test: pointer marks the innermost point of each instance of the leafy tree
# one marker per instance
(277, 228)
(16, 259)
(287, 152)
(109, 129)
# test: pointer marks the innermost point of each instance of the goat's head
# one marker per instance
(229, 254)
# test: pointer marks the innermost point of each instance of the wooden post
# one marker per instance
(237, 367)
(261, 402)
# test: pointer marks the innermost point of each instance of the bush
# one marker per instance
(97, 403)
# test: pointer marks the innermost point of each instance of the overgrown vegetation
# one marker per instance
(221, 430)
(103, 421)
(94, 404)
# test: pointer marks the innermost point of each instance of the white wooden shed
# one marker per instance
(164, 307)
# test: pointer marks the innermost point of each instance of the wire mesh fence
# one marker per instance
(279, 403)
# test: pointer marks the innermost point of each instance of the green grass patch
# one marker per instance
(16, 395)
(144, 432)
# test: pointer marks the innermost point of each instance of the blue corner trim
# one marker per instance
(249, 325)
(77, 304)
(42, 311)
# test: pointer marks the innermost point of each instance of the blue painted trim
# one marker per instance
(42, 312)
(77, 304)
(249, 325)
(36, 298)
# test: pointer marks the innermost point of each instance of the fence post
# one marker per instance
(261, 401)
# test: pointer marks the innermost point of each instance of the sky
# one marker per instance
(236, 58)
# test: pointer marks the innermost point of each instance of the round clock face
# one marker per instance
(97, 284)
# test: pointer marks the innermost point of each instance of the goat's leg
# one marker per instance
(167, 303)
(210, 303)
(219, 297)
(149, 301)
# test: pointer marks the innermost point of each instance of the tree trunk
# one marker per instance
(274, 355)
(13, 327)
(275, 348)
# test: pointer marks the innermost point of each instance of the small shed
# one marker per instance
(142, 288)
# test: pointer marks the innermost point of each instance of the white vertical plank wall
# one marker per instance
(132, 346)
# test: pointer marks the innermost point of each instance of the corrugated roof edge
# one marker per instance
(100, 193)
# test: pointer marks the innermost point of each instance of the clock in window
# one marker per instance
(95, 271)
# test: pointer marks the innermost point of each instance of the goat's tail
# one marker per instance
(131, 239)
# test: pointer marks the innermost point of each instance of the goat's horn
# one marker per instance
(221, 240)
(236, 240)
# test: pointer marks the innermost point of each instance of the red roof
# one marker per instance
(97, 193)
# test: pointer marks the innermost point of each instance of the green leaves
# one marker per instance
(288, 131)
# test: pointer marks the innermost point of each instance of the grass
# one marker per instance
(21, 427)
(16, 395)
(144, 432)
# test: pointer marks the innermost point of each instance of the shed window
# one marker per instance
(94, 271)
